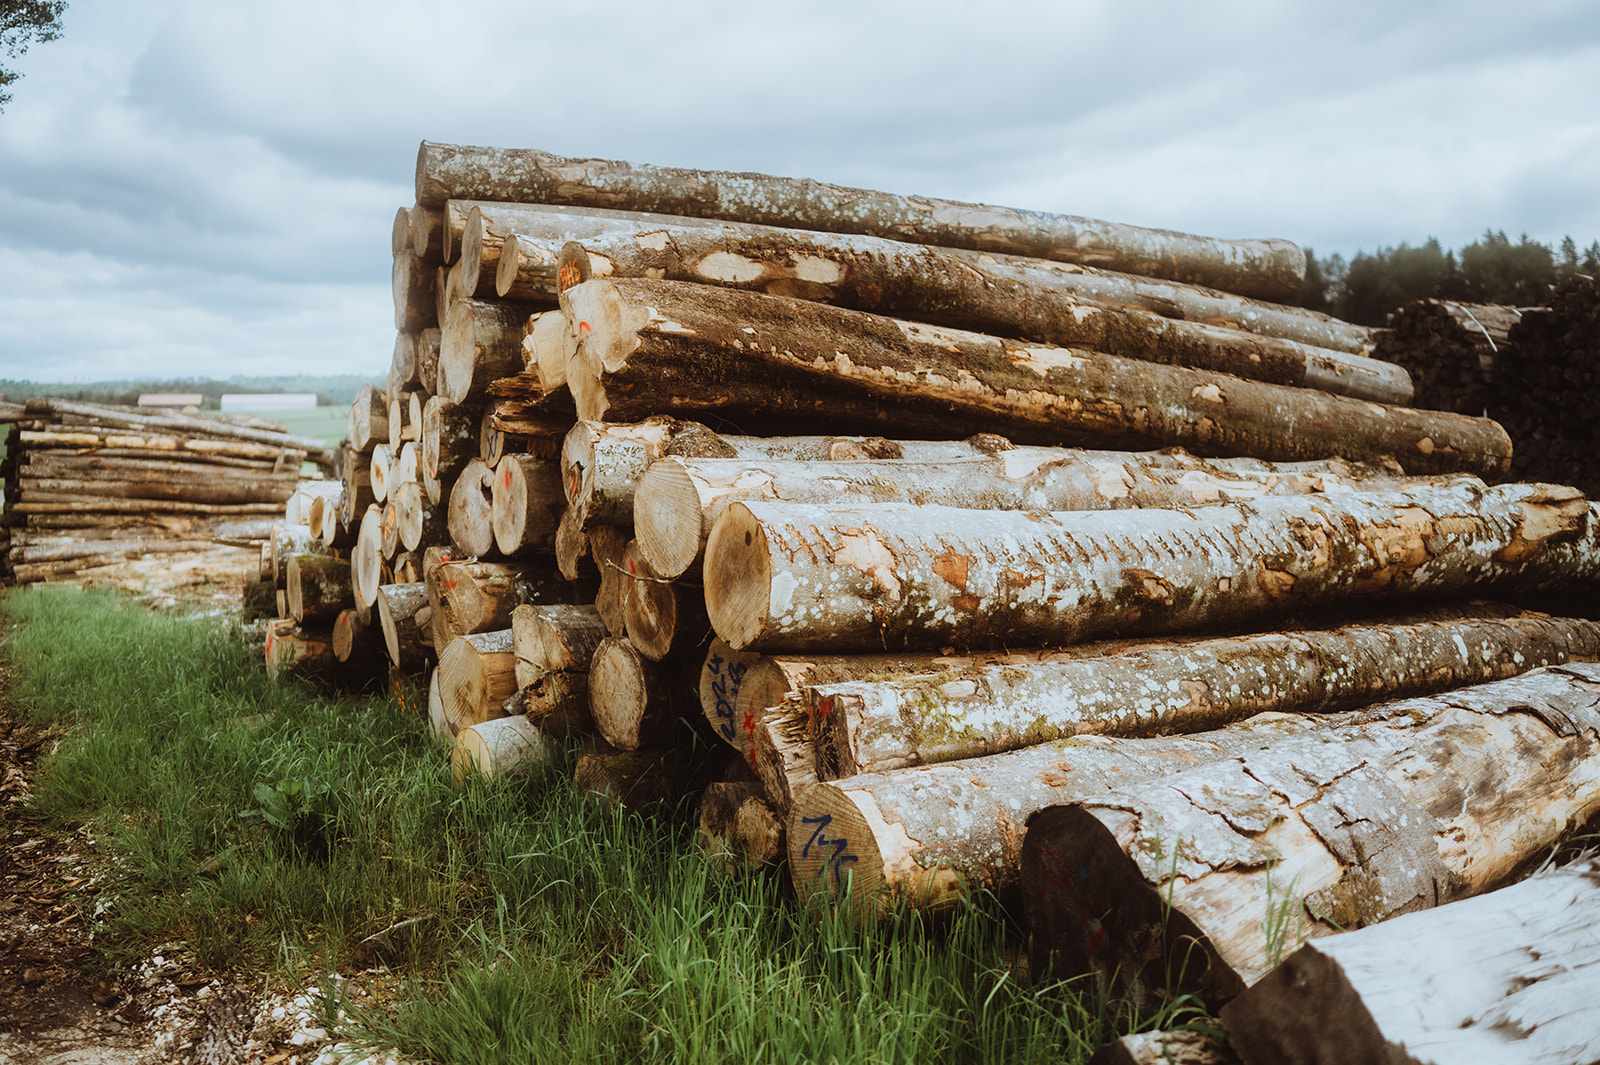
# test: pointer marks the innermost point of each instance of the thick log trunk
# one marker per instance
(284, 543)
(355, 642)
(868, 727)
(607, 543)
(497, 748)
(482, 341)
(956, 288)
(420, 522)
(1219, 872)
(405, 418)
(477, 674)
(292, 651)
(366, 558)
(404, 372)
(318, 588)
(473, 596)
(495, 443)
(641, 780)
(557, 636)
(1503, 977)
(678, 499)
(398, 607)
(471, 521)
(1270, 269)
(653, 347)
(900, 577)
(722, 677)
(526, 504)
(931, 836)
(379, 468)
(428, 359)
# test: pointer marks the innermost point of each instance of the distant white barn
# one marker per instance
(171, 399)
(268, 401)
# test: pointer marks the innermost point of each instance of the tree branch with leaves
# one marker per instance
(23, 22)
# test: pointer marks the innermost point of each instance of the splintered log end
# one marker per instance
(668, 520)
(738, 577)
(1092, 910)
(1554, 514)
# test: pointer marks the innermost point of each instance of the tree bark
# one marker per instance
(1270, 269)
(428, 359)
(555, 700)
(677, 500)
(367, 424)
(412, 281)
(652, 347)
(398, 607)
(905, 577)
(526, 504)
(1506, 977)
(873, 726)
(1219, 872)
(477, 674)
(955, 288)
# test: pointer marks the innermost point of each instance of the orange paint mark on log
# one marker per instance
(953, 568)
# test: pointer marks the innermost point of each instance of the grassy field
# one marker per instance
(272, 829)
(327, 424)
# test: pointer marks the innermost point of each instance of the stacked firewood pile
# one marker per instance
(883, 524)
(1531, 369)
(88, 484)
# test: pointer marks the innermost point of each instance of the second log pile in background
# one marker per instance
(674, 459)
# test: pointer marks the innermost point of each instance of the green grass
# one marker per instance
(326, 423)
(271, 829)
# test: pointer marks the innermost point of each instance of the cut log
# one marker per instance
(477, 674)
(449, 442)
(397, 607)
(557, 701)
(293, 651)
(1179, 1046)
(318, 588)
(481, 341)
(366, 559)
(419, 522)
(354, 641)
(738, 831)
(413, 283)
(557, 636)
(663, 618)
(187, 426)
(872, 726)
(497, 748)
(428, 359)
(493, 442)
(721, 680)
(678, 499)
(1505, 977)
(650, 346)
(641, 780)
(285, 542)
(367, 424)
(607, 543)
(526, 504)
(901, 577)
(403, 370)
(1265, 268)
(378, 472)
(472, 510)
(1219, 872)
(635, 702)
(472, 596)
(389, 530)
(950, 287)
(403, 426)
(547, 345)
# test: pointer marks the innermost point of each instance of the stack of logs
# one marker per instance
(773, 493)
(88, 484)
(1531, 369)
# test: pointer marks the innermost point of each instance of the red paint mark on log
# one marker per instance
(953, 568)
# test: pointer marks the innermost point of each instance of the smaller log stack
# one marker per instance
(1449, 350)
(1546, 389)
(88, 484)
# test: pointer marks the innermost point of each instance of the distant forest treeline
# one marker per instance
(1493, 269)
(331, 391)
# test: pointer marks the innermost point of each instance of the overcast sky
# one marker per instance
(206, 187)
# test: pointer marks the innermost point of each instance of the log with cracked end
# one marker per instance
(801, 577)
(1204, 882)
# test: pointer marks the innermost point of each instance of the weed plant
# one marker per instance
(272, 829)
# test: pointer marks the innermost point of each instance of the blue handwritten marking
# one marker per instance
(726, 689)
(840, 844)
